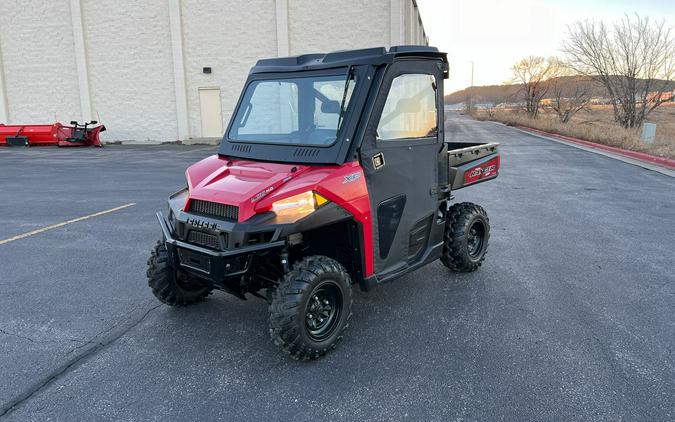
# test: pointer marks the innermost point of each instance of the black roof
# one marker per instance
(374, 56)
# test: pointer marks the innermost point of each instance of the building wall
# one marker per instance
(139, 70)
(129, 63)
(326, 25)
(40, 75)
(228, 43)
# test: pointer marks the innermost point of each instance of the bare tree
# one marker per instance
(490, 110)
(531, 74)
(634, 60)
(488, 105)
(569, 91)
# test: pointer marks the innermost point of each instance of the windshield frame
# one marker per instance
(291, 152)
(345, 79)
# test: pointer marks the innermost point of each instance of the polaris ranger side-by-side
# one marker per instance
(333, 171)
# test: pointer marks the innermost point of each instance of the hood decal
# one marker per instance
(263, 193)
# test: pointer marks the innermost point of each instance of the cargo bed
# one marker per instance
(471, 163)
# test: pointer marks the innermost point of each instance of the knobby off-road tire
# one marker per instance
(467, 231)
(311, 307)
(169, 287)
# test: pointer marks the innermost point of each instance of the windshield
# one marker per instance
(304, 110)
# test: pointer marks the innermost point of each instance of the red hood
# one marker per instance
(245, 184)
(253, 185)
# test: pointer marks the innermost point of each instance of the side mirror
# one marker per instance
(73, 122)
(93, 122)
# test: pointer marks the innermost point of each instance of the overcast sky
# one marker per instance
(495, 34)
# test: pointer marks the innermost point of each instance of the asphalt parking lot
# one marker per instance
(571, 317)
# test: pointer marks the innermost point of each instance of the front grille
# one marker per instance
(228, 212)
(204, 239)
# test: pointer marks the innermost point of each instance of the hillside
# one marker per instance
(509, 93)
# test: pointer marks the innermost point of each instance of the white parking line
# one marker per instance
(74, 220)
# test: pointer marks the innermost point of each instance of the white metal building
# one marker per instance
(166, 70)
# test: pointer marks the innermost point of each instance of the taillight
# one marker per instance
(483, 171)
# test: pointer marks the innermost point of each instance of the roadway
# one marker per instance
(571, 317)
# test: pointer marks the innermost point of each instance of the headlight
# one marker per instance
(298, 206)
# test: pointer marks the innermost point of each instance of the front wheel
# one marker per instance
(467, 231)
(311, 307)
(169, 286)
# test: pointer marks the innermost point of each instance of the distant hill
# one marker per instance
(484, 94)
(509, 93)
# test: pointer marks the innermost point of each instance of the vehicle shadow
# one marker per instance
(385, 320)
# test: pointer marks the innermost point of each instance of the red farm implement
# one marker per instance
(53, 134)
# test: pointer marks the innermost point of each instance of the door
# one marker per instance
(399, 155)
(211, 112)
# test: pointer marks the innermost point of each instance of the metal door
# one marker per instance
(210, 112)
(399, 155)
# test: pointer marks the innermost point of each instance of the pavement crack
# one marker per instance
(87, 350)
(7, 333)
(127, 317)
(36, 340)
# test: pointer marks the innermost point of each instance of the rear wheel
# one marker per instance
(467, 231)
(311, 307)
(169, 286)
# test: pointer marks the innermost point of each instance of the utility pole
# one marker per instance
(471, 73)
(470, 105)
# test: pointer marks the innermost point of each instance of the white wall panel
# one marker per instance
(323, 25)
(229, 37)
(130, 68)
(38, 57)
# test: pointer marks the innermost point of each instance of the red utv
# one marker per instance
(333, 171)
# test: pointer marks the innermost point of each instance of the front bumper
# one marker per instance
(218, 250)
(207, 263)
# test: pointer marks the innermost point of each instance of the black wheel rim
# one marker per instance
(323, 310)
(475, 239)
